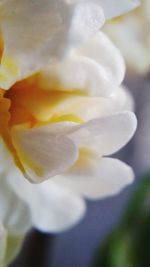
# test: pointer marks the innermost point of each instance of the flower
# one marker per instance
(131, 34)
(62, 113)
(37, 32)
(58, 123)
(60, 126)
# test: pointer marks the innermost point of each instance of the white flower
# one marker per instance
(37, 32)
(58, 124)
(39, 114)
(132, 35)
(56, 121)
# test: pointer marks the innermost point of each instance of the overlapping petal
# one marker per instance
(97, 177)
(106, 135)
(37, 32)
(53, 207)
(42, 154)
(49, 206)
(96, 68)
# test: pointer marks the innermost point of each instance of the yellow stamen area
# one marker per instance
(27, 104)
(31, 104)
(4, 126)
(1, 45)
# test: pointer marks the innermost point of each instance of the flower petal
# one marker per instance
(103, 51)
(14, 212)
(115, 8)
(95, 68)
(106, 135)
(91, 77)
(96, 177)
(43, 154)
(53, 208)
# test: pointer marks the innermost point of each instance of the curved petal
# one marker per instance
(95, 68)
(14, 213)
(53, 208)
(104, 52)
(106, 135)
(81, 73)
(42, 154)
(31, 40)
(96, 177)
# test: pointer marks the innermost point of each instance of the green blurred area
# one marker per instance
(129, 244)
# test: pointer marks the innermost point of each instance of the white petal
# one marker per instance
(83, 73)
(123, 100)
(87, 19)
(36, 32)
(115, 8)
(106, 135)
(96, 177)
(14, 213)
(96, 68)
(43, 154)
(104, 52)
(53, 208)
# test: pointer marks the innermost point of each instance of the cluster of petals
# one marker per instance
(36, 33)
(63, 112)
(132, 35)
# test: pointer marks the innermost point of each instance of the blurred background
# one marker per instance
(77, 247)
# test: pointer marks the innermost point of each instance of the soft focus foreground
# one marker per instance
(131, 33)
(63, 112)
